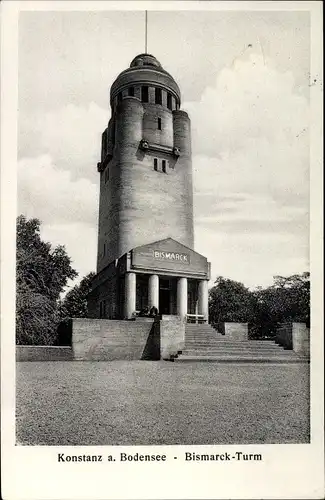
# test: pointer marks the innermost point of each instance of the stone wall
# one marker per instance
(284, 335)
(301, 339)
(172, 336)
(43, 353)
(108, 340)
(105, 340)
(295, 336)
(236, 331)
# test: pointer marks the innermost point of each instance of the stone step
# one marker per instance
(215, 345)
(196, 328)
(204, 332)
(234, 352)
(224, 337)
(200, 328)
(198, 325)
(203, 341)
(240, 359)
(222, 344)
(207, 352)
(239, 345)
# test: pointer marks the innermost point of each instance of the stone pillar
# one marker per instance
(164, 99)
(153, 291)
(300, 339)
(203, 299)
(236, 331)
(130, 293)
(182, 297)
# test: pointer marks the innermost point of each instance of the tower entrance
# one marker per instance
(167, 295)
(164, 296)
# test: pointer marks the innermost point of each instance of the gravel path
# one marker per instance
(152, 403)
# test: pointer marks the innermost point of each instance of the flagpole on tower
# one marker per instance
(146, 32)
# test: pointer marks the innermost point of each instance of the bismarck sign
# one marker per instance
(173, 256)
(170, 257)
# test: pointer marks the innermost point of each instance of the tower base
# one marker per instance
(164, 277)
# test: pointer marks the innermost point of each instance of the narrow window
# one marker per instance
(131, 91)
(159, 123)
(119, 97)
(155, 164)
(113, 132)
(169, 101)
(106, 174)
(104, 252)
(163, 166)
(144, 94)
(158, 96)
(104, 142)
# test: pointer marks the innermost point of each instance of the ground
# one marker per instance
(153, 403)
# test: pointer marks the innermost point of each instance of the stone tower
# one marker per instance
(145, 231)
(145, 170)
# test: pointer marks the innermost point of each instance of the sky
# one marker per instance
(244, 79)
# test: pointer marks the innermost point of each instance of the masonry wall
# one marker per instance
(43, 353)
(236, 331)
(301, 339)
(172, 336)
(108, 340)
(295, 336)
(284, 335)
(105, 340)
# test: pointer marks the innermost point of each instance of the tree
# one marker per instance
(294, 296)
(229, 301)
(74, 304)
(288, 299)
(42, 272)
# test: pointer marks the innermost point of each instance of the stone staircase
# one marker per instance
(204, 343)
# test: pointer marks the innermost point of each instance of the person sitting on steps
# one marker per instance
(153, 312)
(144, 312)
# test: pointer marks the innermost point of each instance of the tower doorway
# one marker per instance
(164, 296)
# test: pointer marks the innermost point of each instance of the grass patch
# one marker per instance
(161, 403)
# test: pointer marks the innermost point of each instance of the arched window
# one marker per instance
(131, 91)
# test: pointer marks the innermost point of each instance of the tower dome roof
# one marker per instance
(145, 69)
(145, 60)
